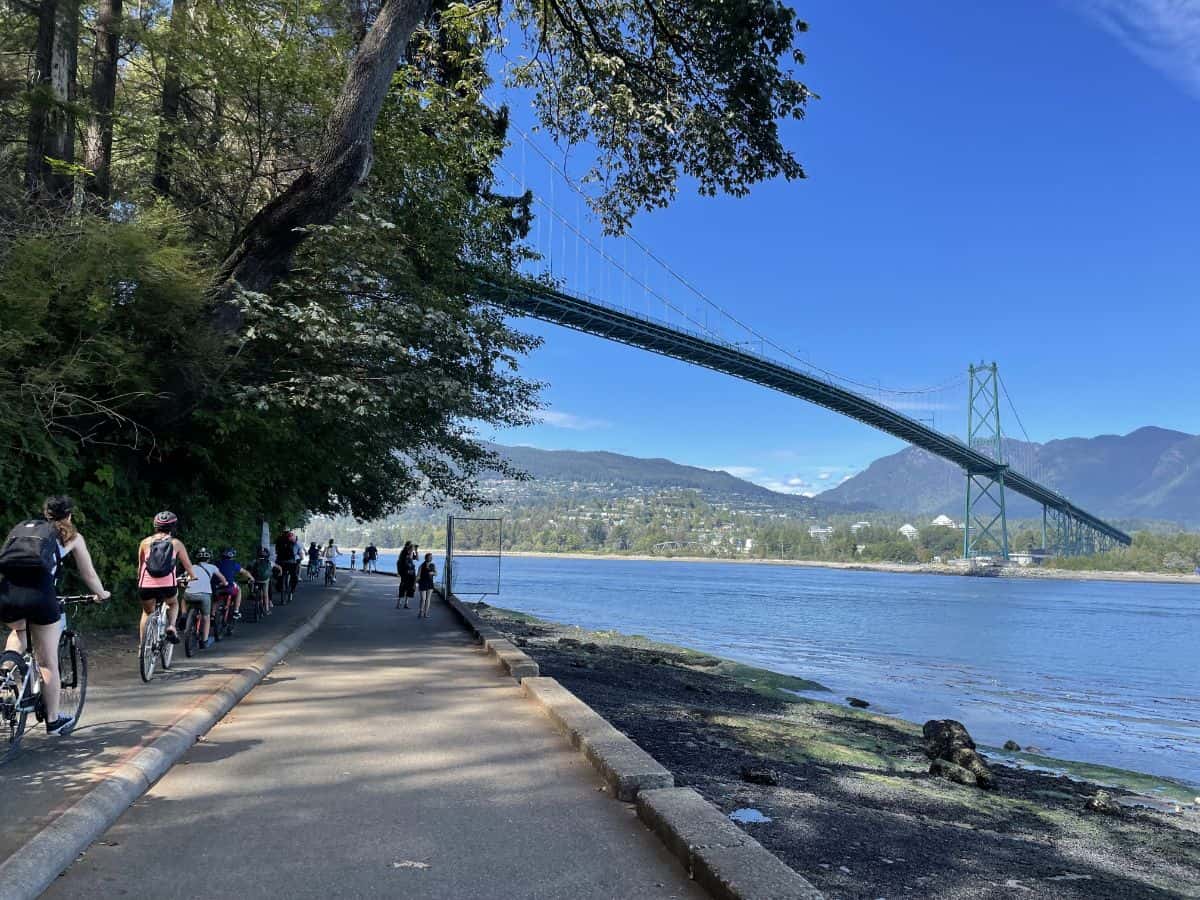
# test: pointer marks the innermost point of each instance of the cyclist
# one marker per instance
(287, 558)
(158, 556)
(232, 570)
(331, 554)
(29, 598)
(314, 555)
(200, 591)
(261, 570)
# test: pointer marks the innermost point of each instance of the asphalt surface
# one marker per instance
(387, 756)
(122, 714)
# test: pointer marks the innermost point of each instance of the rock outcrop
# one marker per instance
(948, 741)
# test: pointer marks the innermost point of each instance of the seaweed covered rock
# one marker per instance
(948, 741)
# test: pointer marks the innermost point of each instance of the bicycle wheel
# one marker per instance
(166, 650)
(147, 651)
(191, 636)
(216, 623)
(72, 674)
(12, 720)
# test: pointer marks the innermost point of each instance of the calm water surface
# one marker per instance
(1101, 672)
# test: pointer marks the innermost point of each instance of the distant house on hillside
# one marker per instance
(908, 531)
(859, 526)
(944, 521)
(820, 533)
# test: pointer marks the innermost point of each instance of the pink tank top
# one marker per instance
(146, 580)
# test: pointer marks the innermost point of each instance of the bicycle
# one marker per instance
(329, 570)
(313, 571)
(287, 583)
(256, 609)
(21, 682)
(154, 642)
(221, 622)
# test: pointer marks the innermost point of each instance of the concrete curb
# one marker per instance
(626, 767)
(36, 864)
(511, 658)
(723, 859)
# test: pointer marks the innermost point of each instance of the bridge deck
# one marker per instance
(630, 328)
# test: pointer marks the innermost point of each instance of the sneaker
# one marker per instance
(60, 726)
(204, 645)
(172, 636)
(237, 616)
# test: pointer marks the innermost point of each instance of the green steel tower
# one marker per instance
(985, 529)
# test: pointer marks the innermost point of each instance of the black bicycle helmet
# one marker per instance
(263, 553)
(228, 553)
(202, 555)
(166, 519)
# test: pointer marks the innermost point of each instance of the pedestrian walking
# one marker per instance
(425, 583)
(353, 560)
(407, 570)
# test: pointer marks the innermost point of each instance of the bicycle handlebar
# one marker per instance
(79, 598)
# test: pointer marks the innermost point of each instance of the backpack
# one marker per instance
(31, 548)
(160, 560)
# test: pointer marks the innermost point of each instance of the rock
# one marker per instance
(591, 648)
(482, 605)
(948, 741)
(857, 703)
(1103, 802)
(568, 642)
(759, 775)
(580, 664)
(953, 772)
(1012, 746)
(521, 642)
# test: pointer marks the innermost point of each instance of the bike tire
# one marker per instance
(191, 636)
(216, 622)
(72, 674)
(13, 719)
(147, 651)
(166, 651)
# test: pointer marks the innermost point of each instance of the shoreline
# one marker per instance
(895, 568)
(846, 796)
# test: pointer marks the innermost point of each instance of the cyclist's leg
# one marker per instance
(147, 612)
(16, 636)
(45, 644)
(172, 604)
(236, 595)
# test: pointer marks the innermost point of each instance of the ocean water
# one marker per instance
(1100, 672)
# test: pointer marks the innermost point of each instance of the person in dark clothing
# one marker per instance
(407, 570)
(425, 578)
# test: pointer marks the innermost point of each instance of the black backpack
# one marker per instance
(31, 548)
(160, 560)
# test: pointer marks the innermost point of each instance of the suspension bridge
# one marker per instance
(1066, 530)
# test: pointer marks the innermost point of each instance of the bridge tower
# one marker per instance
(985, 528)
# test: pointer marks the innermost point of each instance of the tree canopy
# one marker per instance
(239, 238)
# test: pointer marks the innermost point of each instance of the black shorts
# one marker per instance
(33, 599)
(157, 593)
(407, 588)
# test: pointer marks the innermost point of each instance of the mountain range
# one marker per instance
(1148, 474)
(616, 474)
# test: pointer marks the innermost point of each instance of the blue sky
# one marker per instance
(1015, 181)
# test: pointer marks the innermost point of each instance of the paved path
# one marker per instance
(387, 756)
(122, 715)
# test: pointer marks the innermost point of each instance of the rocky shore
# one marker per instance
(847, 797)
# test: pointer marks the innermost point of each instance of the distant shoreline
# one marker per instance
(898, 568)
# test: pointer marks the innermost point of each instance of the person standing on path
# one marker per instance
(353, 560)
(425, 583)
(407, 570)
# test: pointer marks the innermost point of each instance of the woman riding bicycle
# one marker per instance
(29, 601)
(157, 558)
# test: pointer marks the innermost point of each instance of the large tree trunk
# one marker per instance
(98, 150)
(262, 253)
(51, 131)
(169, 112)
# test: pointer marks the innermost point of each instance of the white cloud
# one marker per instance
(825, 476)
(739, 471)
(570, 421)
(1163, 33)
